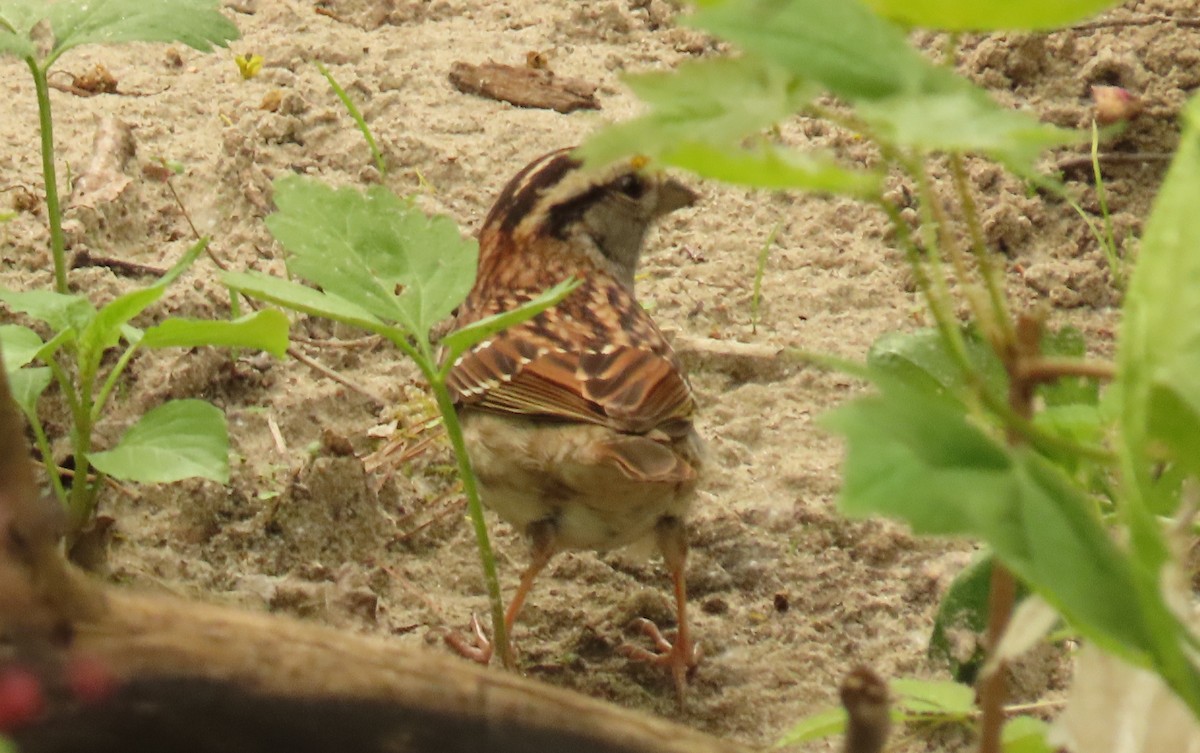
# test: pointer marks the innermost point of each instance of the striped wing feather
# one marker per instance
(629, 387)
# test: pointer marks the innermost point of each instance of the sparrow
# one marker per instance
(579, 421)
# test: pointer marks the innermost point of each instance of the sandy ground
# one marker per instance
(787, 594)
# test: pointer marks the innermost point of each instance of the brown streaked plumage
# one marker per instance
(579, 421)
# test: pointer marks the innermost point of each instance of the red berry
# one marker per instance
(21, 698)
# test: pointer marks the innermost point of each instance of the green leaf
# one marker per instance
(916, 457)
(815, 727)
(768, 166)
(964, 119)
(58, 310)
(460, 340)
(264, 330)
(921, 360)
(963, 607)
(956, 15)
(301, 298)
(19, 345)
(104, 330)
(1068, 391)
(27, 385)
(196, 23)
(942, 698)
(362, 247)
(842, 45)
(177, 440)
(1025, 734)
(1159, 347)
(716, 102)
(17, 19)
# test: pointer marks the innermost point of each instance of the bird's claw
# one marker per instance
(680, 658)
(479, 648)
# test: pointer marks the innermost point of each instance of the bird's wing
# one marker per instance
(568, 364)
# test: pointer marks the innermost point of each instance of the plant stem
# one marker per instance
(993, 282)
(1002, 590)
(1108, 243)
(756, 296)
(43, 445)
(1002, 594)
(475, 510)
(111, 381)
(58, 243)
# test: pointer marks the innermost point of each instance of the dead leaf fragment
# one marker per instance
(524, 86)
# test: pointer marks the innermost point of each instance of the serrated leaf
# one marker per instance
(27, 385)
(196, 23)
(19, 345)
(921, 360)
(461, 339)
(955, 15)
(17, 19)
(59, 310)
(177, 440)
(264, 330)
(920, 698)
(302, 298)
(964, 119)
(768, 166)
(842, 45)
(915, 457)
(716, 101)
(815, 727)
(366, 247)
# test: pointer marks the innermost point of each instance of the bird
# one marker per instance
(579, 422)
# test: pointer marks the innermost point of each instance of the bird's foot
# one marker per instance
(679, 658)
(478, 647)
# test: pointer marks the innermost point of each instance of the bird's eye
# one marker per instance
(631, 185)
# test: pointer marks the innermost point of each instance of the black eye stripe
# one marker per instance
(522, 192)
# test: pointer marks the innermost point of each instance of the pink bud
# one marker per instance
(1114, 104)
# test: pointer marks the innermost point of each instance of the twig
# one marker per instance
(83, 258)
(280, 445)
(1082, 161)
(321, 368)
(1041, 370)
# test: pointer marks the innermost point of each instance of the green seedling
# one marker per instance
(999, 431)
(759, 270)
(358, 119)
(177, 440)
(378, 263)
(926, 704)
(73, 23)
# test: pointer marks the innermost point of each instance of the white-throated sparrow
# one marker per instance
(578, 422)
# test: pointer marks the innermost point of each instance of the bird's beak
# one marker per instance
(674, 195)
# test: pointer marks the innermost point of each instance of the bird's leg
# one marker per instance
(543, 545)
(681, 657)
